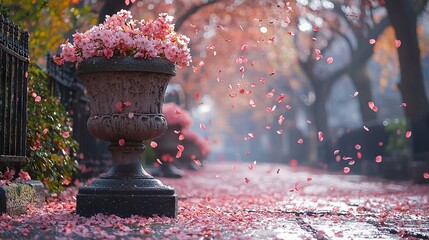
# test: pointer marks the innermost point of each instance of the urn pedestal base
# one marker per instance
(126, 197)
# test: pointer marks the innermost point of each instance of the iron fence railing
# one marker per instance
(14, 61)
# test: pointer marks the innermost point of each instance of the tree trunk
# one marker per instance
(111, 7)
(404, 21)
(320, 115)
(362, 82)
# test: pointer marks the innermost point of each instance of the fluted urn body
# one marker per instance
(126, 96)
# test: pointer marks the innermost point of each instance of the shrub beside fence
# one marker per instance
(69, 88)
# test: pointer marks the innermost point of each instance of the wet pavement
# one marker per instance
(232, 200)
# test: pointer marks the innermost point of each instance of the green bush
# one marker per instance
(397, 141)
(51, 148)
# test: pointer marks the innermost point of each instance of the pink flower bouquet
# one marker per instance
(121, 35)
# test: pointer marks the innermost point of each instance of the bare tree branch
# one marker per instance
(190, 12)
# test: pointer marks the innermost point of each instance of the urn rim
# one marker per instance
(126, 64)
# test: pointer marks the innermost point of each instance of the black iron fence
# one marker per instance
(94, 156)
(13, 93)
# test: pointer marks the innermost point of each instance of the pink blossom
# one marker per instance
(169, 110)
(121, 35)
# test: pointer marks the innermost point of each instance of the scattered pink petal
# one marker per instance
(346, 169)
(121, 142)
(300, 141)
(202, 126)
(179, 154)
(37, 99)
(426, 175)
(371, 41)
(403, 104)
(159, 161)
(244, 47)
(336, 152)
(246, 180)
(358, 147)
(366, 128)
(128, 104)
(309, 179)
(130, 115)
(297, 186)
(329, 60)
(279, 131)
(355, 94)
(45, 131)
(251, 166)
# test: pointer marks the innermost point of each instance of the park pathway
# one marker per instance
(237, 200)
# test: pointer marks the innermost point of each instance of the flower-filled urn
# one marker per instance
(126, 66)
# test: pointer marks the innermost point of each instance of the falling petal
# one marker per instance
(397, 43)
(121, 142)
(153, 144)
(300, 141)
(119, 107)
(130, 115)
(408, 134)
(346, 170)
(180, 148)
(246, 180)
(309, 179)
(244, 47)
(378, 159)
(358, 147)
(128, 104)
(336, 152)
(202, 126)
(371, 41)
(320, 136)
(329, 60)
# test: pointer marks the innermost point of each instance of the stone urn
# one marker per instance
(126, 96)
